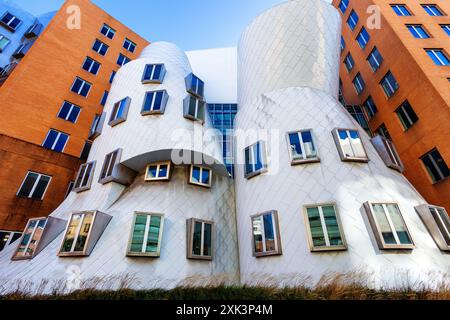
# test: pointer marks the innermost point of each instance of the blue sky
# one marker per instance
(191, 24)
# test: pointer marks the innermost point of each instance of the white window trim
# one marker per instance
(72, 106)
(338, 141)
(433, 51)
(57, 139)
(77, 234)
(202, 168)
(91, 66)
(100, 47)
(109, 30)
(304, 158)
(252, 160)
(276, 232)
(35, 184)
(143, 253)
(328, 246)
(84, 83)
(24, 254)
(191, 227)
(417, 33)
(158, 166)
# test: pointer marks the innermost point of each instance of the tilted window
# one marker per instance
(34, 186)
(108, 31)
(352, 20)
(435, 165)
(389, 84)
(69, 112)
(34, 31)
(437, 221)
(194, 109)
(22, 50)
(146, 235)
(343, 4)
(120, 112)
(388, 153)
(325, 232)
(82, 233)
(266, 234)
(111, 160)
(84, 177)
(56, 140)
(418, 31)
(7, 238)
(91, 66)
(158, 171)
(4, 42)
(358, 83)
(97, 126)
(388, 226)
(200, 239)
(155, 102)
(375, 59)
(200, 176)
(349, 145)
(302, 148)
(81, 87)
(406, 115)
(100, 47)
(154, 73)
(439, 57)
(122, 60)
(255, 159)
(400, 10)
(10, 21)
(195, 86)
(432, 10)
(349, 62)
(129, 45)
(363, 38)
(104, 98)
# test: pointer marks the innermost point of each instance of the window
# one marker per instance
(86, 150)
(375, 59)
(363, 38)
(389, 84)
(383, 131)
(195, 86)
(84, 177)
(324, 228)
(92, 66)
(194, 108)
(302, 148)
(435, 166)
(7, 238)
(266, 234)
(81, 87)
(104, 98)
(82, 233)
(388, 226)
(158, 171)
(349, 62)
(343, 5)
(255, 159)
(10, 21)
(55, 140)
(358, 114)
(34, 186)
(400, 10)
(387, 151)
(418, 31)
(200, 239)
(342, 44)
(97, 126)
(69, 112)
(111, 160)
(445, 27)
(4, 41)
(113, 75)
(22, 50)
(358, 83)
(432, 10)
(69, 189)
(108, 31)
(370, 107)
(154, 73)
(100, 47)
(129, 45)
(406, 115)
(439, 57)
(30, 239)
(33, 31)
(200, 176)
(155, 102)
(120, 112)
(350, 146)
(146, 235)
(122, 60)
(352, 20)
(437, 222)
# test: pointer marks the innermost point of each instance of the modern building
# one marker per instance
(313, 193)
(400, 75)
(50, 102)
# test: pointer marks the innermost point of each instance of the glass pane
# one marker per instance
(137, 239)
(269, 232)
(315, 226)
(257, 234)
(296, 148)
(87, 175)
(345, 143)
(192, 106)
(4, 237)
(148, 101)
(383, 224)
(74, 114)
(152, 172)
(205, 176)
(153, 234)
(399, 224)
(36, 237)
(195, 174)
(41, 187)
(258, 154)
(148, 72)
(334, 234)
(440, 163)
(158, 101)
(84, 232)
(26, 236)
(163, 171)
(112, 163)
(80, 176)
(28, 184)
(157, 72)
(357, 144)
(61, 143)
(308, 143)
(50, 140)
(65, 110)
(197, 239)
(71, 232)
(248, 165)
(207, 240)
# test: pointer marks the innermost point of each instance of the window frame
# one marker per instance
(345, 158)
(264, 167)
(374, 58)
(200, 106)
(358, 79)
(58, 136)
(304, 160)
(113, 119)
(8, 42)
(407, 123)
(130, 45)
(435, 227)
(15, 256)
(190, 225)
(88, 185)
(151, 79)
(97, 126)
(401, 5)
(363, 37)
(277, 235)
(314, 248)
(102, 45)
(436, 166)
(368, 206)
(433, 51)
(125, 61)
(199, 90)
(33, 189)
(84, 82)
(7, 25)
(388, 153)
(149, 215)
(152, 111)
(202, 168)
(350, 17)
(349, 62)
(412, 28)
(108, 166)
(445, 28)
(426, 6)
(385, 79)
(72, 107)
(93, 63)
(109, 29)
(83, 253)
(158, 166)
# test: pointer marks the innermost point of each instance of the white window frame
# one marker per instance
(304, 159)
(72, 106)
(127, 45)
(152, 110)
(202, 168)
(57, 139)
(151, 79)
(190, 237)
(436, 226)
(264, 168)
(343, 156)
(72, 253)
(328, 246)
(82, 187)
(275, 222)
(109, 30)
(377, 231)
(40, 175)
(398, 165)
(158, 166)
(84, 83)
(102, 44)
(92, 63)
(24, 255)
(143, 253)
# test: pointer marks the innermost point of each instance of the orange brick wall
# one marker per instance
(421, 82)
